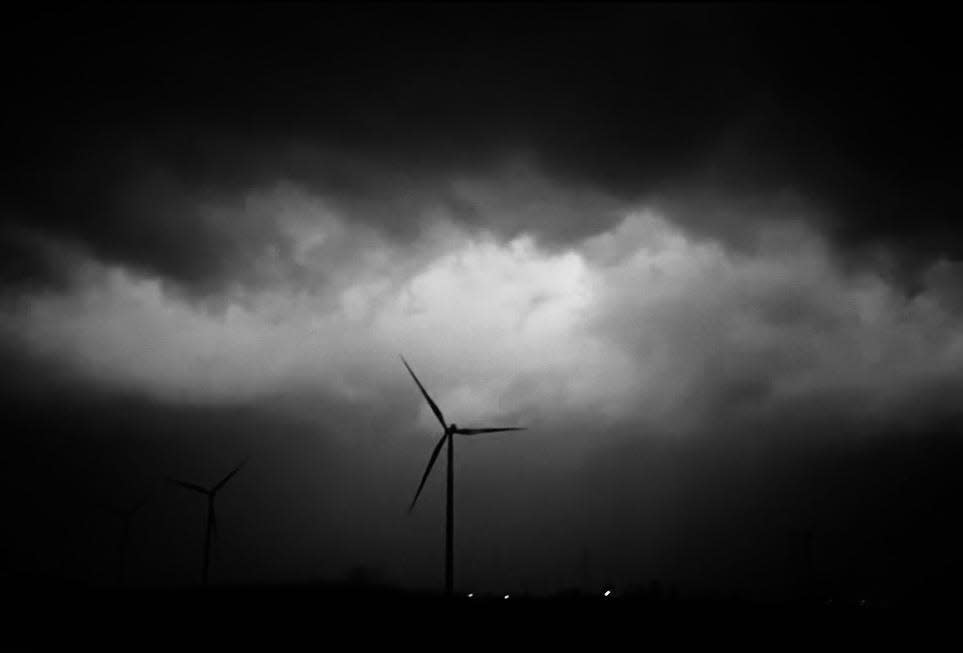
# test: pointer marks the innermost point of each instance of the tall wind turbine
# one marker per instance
(211, 518)
(450, 430)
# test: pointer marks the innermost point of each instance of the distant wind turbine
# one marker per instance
(450, 430)
(125, 517)
(211, 517)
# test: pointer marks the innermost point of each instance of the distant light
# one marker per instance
(471, 595)
(607, 593)
(506, 596)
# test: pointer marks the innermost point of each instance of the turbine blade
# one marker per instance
(137, 506)
(431, 462)
(479, 431)
(213, 524)
(190, 486)
(434, 406)
(109, 509)
(228, 477)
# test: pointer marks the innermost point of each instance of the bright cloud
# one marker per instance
(639, 322)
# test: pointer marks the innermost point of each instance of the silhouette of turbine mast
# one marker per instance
(211, 517)
(125, 517)
(450, 430)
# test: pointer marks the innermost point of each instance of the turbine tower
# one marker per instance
(125, 517)
(447, 437)
(211, 517)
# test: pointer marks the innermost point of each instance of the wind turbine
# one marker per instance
(211, 518)
(126, 517)
(450, 430)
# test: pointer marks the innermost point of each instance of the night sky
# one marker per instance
(707, 255)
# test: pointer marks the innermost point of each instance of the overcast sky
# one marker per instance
(707, 255)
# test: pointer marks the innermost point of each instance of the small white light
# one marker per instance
(607, 592)
(471, 595)
(506, 596)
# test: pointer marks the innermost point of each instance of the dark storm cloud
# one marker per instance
(641, 321)
(123, 122)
